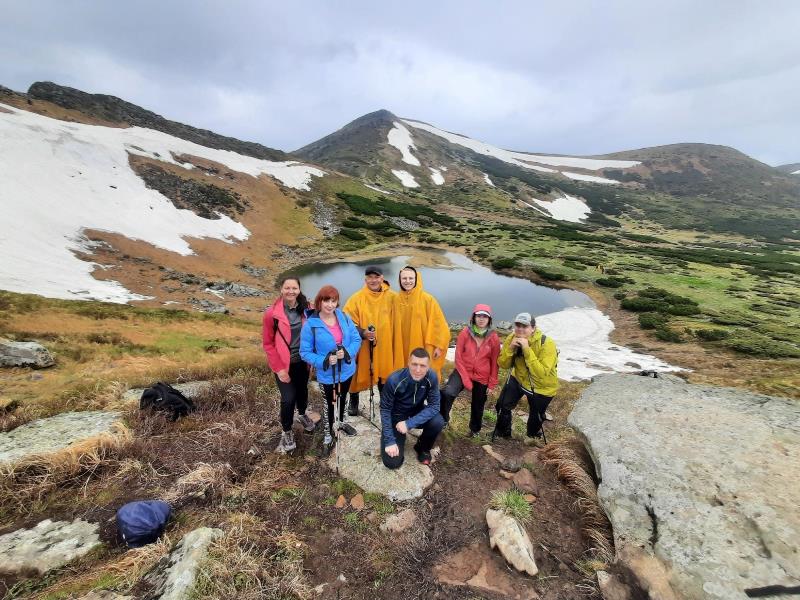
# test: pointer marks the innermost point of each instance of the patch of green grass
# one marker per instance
(287, 493)
(513, 503)
(344, 487)
(354, 521)
(379, 503)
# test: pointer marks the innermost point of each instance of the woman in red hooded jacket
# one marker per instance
(282, 324)
(477, 349)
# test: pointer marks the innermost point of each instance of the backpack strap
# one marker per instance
(280, 333)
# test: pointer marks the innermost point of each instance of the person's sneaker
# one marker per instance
(327, 444)
(287, 443)
(352, 407)
(306, 422)
(348, 429)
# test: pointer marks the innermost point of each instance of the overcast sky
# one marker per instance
(562, 77)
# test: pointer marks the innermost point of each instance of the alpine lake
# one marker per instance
(457, 282)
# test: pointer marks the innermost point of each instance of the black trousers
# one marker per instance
(327, 391)
(430, 431)
(508, 400)
(293, 394)
(453, 388)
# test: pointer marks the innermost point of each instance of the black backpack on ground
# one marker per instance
(161, 396)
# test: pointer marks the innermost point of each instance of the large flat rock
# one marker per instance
(48, 545)
(173, 577)
(704, 479)
(358, 458)
(45, 436)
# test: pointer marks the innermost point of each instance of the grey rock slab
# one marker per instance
(45, 436)
(511, 539)
(24, 354)
(48, 545)
(705, 479)
(358, 458)
(173, 576)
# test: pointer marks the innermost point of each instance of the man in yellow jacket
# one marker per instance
(533, 360)
(372, 309)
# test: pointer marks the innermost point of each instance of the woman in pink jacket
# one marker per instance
(477, 349)
(282, 324)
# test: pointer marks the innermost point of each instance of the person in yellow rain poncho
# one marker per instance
(372, 310)
(419, 322)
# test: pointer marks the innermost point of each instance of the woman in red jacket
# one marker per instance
(477, 349)
(282, 324)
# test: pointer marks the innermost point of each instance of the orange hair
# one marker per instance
(326, 292)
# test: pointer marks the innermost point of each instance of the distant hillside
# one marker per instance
(114, 110)
(793, 168)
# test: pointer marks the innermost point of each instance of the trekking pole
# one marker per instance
(371, 328)
(337, 389)
(499, 399)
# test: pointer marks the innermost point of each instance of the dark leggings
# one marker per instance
(327, 391)
(453, 389)
(509, 398)
(293, 394)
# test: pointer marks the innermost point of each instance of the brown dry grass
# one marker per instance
(573, 467)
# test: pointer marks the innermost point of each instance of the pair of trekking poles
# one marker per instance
(337, 400)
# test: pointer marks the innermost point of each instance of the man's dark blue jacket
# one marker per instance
(402, 397)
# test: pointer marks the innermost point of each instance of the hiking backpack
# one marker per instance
(142, 522)
(161, 396)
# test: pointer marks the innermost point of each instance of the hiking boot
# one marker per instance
(287, 443)
(424, 457)
(348, 429)
(327, 445)
(306, 422)
(352, 407)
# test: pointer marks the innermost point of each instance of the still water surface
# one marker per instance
(457, 288)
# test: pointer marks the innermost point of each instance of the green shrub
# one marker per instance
(652, 320)
(712, 335)
(549, 275)
(665, 334)
(504, 263)
(611, 282)
(755, 344)
(644, 305)
(683, 309)
(620, 295)
(352, 234)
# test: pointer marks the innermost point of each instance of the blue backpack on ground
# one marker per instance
(142, 522)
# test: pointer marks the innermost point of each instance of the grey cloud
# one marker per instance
(577, 77)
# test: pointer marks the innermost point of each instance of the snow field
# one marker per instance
(400, 137)
(436, 176)
(406, 178)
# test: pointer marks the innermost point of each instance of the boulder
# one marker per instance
(508, 536)
(24, 354)
(174, 575)
(525, 482)
(473, 567)
(46, 436)
(358, 458)
(700, 483)
(48, 545)
(400, 522)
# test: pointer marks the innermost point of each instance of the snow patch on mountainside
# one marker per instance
(60, 179)
(487, 180)
(592, 178)
(796, 172)
(522, 159)
(377, 189)
(406, 178)
(436, 176)
(567, 208)
(400, 138)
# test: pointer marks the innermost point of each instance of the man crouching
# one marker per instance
(410, 399)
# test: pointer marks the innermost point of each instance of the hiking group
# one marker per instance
(398, 342)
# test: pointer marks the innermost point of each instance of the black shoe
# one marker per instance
(474, 433)
(352, 407)
(348, 429)
(424, 457)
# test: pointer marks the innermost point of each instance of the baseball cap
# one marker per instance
(523, 318)
(373, 270)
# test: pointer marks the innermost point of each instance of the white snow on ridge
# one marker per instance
(592, 178)
(400, 138)
(522, 159)
(796, 172)
(567, 208)
(487, 180)
(585, 350)
(436, 176)
(406, 178)
(377, 189)
(59, 179)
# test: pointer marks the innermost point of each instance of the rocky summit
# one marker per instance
(703, 479)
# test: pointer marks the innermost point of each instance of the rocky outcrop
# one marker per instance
(24, 354)
(701, 484)
(508, 536)
(48, 545)
(173, 577)
(50, 435)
